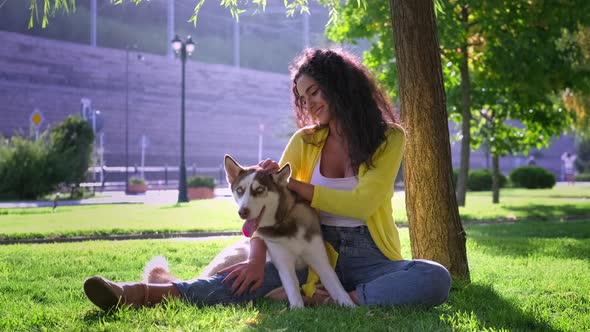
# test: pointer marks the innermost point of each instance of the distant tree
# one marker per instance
(578, 101)
(460, 46)
(71, 145)
(527, 65)
(505, 63)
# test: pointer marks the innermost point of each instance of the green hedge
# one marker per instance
(71, 146)
(481, 180)
(136, 181)
(201, 181)
(32, 168)
(532, 177)
(25, 169)
(585, 177)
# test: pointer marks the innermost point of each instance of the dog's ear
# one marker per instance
(232, 168)
(283, 174)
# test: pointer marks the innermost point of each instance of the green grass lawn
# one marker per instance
(530, 276)
(205, 215)
(528, 204)
(220, 215)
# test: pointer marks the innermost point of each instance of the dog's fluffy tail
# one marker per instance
(157, 271)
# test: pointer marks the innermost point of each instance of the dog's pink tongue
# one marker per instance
(249, 227)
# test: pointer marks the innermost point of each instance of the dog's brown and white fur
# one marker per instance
(289, 227)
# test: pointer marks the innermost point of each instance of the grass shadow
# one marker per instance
(174, 206)
(96, 318)
(576, 229)
(474, 307)
(521, 239)
(471, 308)
(540, 211)
(95, 315)
(481, 305)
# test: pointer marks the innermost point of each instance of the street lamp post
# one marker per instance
(184, 49)
(260, 134)
(139, 57)
(127, 120)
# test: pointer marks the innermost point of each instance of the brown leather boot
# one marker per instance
(320, 297)
(109, 295)
(277, 294)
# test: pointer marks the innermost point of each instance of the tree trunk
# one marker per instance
(496, 179)
(436, 232)
(465, 114)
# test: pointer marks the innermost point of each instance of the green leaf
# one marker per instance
(196, 11)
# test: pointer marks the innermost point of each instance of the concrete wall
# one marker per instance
(224, 105)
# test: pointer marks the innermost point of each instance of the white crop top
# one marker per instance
(347, 183)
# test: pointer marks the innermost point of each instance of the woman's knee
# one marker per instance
(440, 282)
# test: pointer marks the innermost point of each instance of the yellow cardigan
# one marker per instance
(369, 201)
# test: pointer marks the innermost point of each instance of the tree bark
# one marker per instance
(436, 232)
(496, 179)
(461, 189)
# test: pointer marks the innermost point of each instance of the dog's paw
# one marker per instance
(347, 303)
(296, 305)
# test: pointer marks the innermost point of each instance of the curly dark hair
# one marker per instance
(361, 108)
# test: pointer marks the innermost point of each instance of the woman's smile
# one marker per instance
(317, 111)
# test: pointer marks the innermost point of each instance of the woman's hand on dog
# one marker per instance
(305, 190)
(269, 165)
(246, 275)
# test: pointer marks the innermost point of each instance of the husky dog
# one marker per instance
(290, 227)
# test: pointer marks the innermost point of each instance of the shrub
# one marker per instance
(136, 181)
(585, 177)
(34, 168)
(481, 179)
(70, 152)
(201, 181)
(25, 168)
(532, 177)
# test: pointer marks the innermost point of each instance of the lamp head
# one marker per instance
(176, 44)
(190, 45)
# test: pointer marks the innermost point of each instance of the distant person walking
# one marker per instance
(531, 161)
(568, 160)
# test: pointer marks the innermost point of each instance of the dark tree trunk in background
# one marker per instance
(461, 189)
(496, 179)
(436, 232)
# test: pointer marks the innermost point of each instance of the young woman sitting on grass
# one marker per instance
(344, 161)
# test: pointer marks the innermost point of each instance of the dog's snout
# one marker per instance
(244, 213)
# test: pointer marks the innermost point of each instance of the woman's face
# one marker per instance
(312, 99)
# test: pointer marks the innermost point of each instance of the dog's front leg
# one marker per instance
(284, 261)
(316, 257)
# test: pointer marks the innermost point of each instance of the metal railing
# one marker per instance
(155, 176)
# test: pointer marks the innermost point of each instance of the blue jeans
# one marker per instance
(361, 266)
